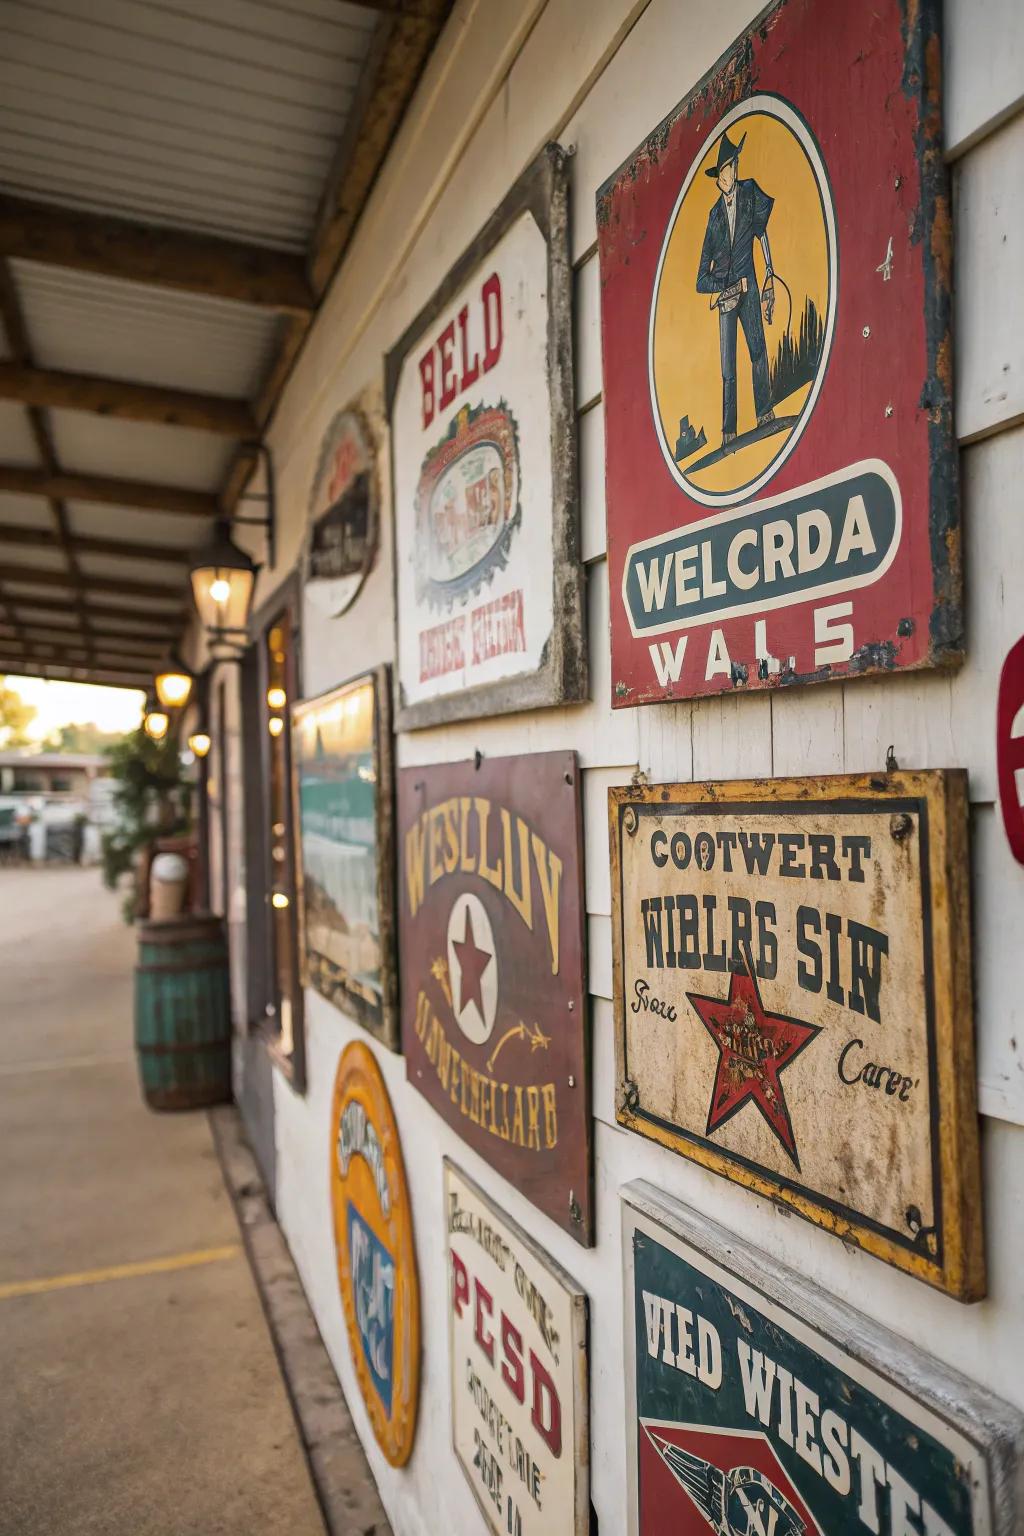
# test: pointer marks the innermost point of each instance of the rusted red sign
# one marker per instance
(492, 949)
(775, 311)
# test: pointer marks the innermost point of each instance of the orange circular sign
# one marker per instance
(376, 1256)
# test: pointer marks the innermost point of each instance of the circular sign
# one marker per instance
(342, 537)
(744, 304)
(374, 1244)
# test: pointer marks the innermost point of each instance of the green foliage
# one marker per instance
(15, 716)
(152, 800)
(82, 736)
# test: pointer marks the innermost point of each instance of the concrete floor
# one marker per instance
(147, 1404)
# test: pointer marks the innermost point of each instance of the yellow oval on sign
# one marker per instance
(376, 1256)
(744, 303)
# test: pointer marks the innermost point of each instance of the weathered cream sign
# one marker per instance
(793, 1000)
(517, 1335)
(483, 435)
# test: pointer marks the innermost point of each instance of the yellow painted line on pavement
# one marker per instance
(174, 1261)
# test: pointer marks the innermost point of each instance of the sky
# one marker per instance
(112, 709)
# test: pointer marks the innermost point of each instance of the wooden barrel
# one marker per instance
(183, 1012)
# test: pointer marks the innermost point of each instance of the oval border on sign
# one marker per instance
(786, 113)
(350, 421)
(359, 1081)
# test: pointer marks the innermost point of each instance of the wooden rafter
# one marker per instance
(155, 255)
(27, 666)
(30, 575)
(44, 634)
(126, 401)
(86, 544)
(24, 601)
(139, 495)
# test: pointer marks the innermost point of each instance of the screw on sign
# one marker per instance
(1010, 748)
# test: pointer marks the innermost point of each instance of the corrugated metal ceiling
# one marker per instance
(220, 117)
(133, 450)
(124, 330)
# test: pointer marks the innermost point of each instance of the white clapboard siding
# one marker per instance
(807, 730)
(989, 256)
(593, 531)
(998, 927)
(602, 1060)
(984, 67)
(597, 873)
(587, 325)
(665, 742)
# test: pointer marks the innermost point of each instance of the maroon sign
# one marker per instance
(492, 951)
(775, 310)
(1010, 748)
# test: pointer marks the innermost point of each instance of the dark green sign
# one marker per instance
(760, 1407)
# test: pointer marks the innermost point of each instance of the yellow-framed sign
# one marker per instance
(373, 1237)
(793, 1001)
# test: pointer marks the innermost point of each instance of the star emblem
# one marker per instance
(754, 1047)
(472, 964)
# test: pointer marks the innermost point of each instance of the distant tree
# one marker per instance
(83, 737)
(15, 716)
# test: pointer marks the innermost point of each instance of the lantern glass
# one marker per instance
(155, 724)
(223, 577)
(199, 743)
(276, 698)
(173, 686)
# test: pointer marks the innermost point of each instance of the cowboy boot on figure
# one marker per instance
(738, 217)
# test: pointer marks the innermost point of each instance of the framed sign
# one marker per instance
(489, 592)
(344, 520)
(373, 1238)
(517, 1338)
(344, 800)
(782, 500)
(491, 931)
(792, 982)
(758, 1404)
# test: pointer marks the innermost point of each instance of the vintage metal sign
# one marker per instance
(517, 1336)
(376, 1258)
(341, 747)
(491, 940)
(341, 540)
(781, 496)
(483, 442)
(759, 1406)
(793, 1001)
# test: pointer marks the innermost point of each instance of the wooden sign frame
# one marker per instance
(348, 426)
(947, 1252)
(954, 1449)
(380, 1018)
(560, 676)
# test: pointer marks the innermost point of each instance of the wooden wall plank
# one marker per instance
(989, 317)
(593, 533)
(587, 321)
(983, 62)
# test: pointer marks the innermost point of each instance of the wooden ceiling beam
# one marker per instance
(60, 634)
(113, 585)
(158, 256)
(86, 544)
(139, 495)
(168, 623)
(110, 677)
(48, 388)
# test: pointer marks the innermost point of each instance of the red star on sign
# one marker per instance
(754, 1047)
(472, 964)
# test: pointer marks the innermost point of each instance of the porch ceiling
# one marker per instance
(178, 182)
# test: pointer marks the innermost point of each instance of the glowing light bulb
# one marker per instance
(220, 590)
(200, 743)
(275, 725)
(279, 900)
(155, 724)
(276, 698)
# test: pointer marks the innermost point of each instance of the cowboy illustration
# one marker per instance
(738, 218)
